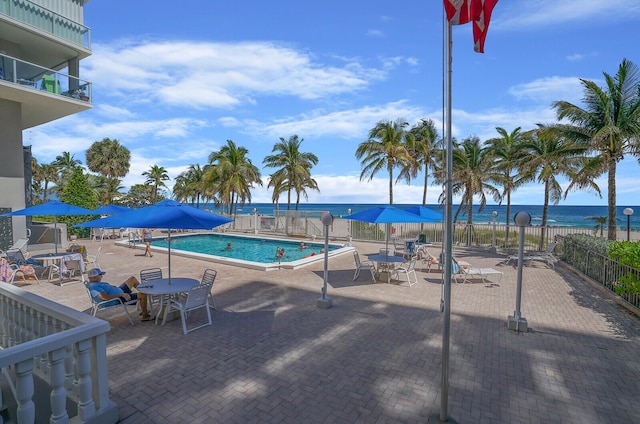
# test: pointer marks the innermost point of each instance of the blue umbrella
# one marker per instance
(53, 208)
(166, 214)
(111, 210)
(386, 215)
(425, 212)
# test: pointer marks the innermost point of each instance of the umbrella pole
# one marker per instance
(55, 234)
(169, 254)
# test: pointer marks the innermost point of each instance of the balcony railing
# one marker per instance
(28, 75)
(53, 361)
(46, 20)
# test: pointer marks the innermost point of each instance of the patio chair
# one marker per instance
(20, 244)
(91, 261)
(98, 304)
(146, 276)
(209, 277)
(97, 234)
(27, 268)
(398, 247)
(427, 258)
(471, 273)
(7, 271)
(366, 265)
(196, 298)
(408, 271)
(546, 256)
(70, 266)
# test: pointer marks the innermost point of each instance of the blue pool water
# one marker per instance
(253, 249)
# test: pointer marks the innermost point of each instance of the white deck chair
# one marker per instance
(99, 305)
(209, 277)
(366, 265)
(197, 298)
(408, 271)
(97, 234)
(471, 273)
(91, 261)
(546, 256)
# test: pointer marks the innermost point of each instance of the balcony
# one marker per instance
(53, 361)
(45, 20)
(45, 94)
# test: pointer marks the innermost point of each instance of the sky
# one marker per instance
(174, 84)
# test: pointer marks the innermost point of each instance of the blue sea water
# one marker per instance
(561, 216)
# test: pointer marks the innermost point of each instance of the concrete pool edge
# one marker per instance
(342, 248)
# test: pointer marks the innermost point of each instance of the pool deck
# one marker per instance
(272, 356)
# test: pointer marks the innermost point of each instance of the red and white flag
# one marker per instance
(460, 12)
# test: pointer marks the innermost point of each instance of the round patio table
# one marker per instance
(166, 288)
(387, 260)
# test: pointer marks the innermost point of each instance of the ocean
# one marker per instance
(561, 216)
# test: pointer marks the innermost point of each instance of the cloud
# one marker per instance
(544, 13)
(219, 75)
(546, 90)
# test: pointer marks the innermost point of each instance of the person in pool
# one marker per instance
(229, 246)
(280, 253)
(302, 245)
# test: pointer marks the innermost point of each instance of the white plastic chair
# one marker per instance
(366, 265)
(209, 277)
(91, 261)
(408, 271)
(105, 304)
(197, 298)
(97, 234)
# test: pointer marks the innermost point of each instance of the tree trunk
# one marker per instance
(506, 236)
(545, 211)
(611, 188)
(390, 185)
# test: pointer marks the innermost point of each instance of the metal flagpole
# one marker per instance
(448, 246)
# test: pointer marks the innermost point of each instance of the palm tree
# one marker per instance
(507, 155)
(294, 173)
(472, 175)
(190, 185)
(600, 221)
(550, 156)
(609, 124)
(110, 159)
(234, 175)
(156, 175)
(425, 149)
(386, 148)
(67, 164)
(48, 174)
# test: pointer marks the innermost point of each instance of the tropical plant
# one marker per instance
(550, 156)
(66, 164)
(111, 160)
(48, 174)
(507, 154)
(78, 192)
(472, 175)
(600, 221)
(156, 176)
(385, 149)
(139, 195)
(426, 152)
(190, 185)
(233, 174)
(609, 124)
(294, 168)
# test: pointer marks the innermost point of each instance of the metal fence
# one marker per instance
(606, 271)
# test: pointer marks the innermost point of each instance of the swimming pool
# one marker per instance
(248, 251)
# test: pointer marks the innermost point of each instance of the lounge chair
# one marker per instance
(98, 305)
(427, 258)
(471, 273)
(91, 261)
(546, 256)
(366, 265)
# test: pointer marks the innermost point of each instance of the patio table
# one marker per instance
(386, 261)
(166, 288)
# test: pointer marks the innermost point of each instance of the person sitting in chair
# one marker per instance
(102, 291)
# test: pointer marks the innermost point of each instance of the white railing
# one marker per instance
(51, 357)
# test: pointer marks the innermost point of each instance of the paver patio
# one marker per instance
(272, 356)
